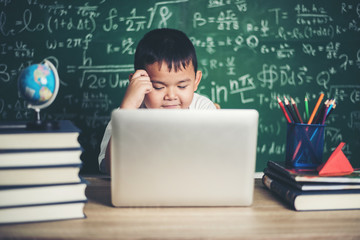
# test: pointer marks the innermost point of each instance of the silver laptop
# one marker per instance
(183, 157)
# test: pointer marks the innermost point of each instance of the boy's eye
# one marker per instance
(157, 86)
(182, 87)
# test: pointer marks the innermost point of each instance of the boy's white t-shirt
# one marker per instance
(198, 103)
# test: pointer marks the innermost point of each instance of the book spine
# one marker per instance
(283, 192)
(277, 168)
(283, 179)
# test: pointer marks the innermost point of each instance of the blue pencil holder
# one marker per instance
(304, 145)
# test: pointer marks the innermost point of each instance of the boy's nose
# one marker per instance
(170, 94)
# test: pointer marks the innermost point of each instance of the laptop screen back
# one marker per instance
(183, 157)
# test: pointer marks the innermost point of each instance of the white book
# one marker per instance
(40, 175)
(17, 136)
(33, 158)
(46, 194)
(42, 213)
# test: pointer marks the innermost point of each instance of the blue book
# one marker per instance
(16, 135)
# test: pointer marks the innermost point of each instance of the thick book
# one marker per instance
(17, 136)
(314, 200)
(40, 175)
(310, 175)
(39, 157)
(310, 186)
(41, 213)
(46, 194)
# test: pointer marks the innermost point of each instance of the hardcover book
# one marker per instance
(310, 175)
(310, 186)
(314, 200)
(17, 136)
(39, 157)
(44, 194)
(40, 213)
(39, 175)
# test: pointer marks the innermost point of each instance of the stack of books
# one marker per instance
(39, 174)
(305, 190)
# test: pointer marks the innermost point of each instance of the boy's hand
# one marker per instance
(139, 85)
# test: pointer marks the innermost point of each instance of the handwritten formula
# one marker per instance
(250, 52)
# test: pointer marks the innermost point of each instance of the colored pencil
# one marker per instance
(324, 112)
(293, 103)
(316, 108)
(288, 107)
(283, 109)
(327, 110)
(330, 107)
(309, 122)
(320, 115)
(306, 108)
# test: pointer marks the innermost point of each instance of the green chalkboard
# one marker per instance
(250, 52)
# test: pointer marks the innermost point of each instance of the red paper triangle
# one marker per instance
(337, 164)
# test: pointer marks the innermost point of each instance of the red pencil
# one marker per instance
(283, 109)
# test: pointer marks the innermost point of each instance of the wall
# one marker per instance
(250, 52)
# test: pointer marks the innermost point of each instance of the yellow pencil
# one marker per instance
(316, 108)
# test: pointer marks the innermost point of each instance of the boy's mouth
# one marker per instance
(171, 106)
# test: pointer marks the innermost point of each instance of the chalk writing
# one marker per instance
(249, 52)
(100, 77)
(354, 120)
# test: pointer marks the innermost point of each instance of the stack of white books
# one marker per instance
(39, 174)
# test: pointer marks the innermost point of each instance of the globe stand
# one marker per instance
(38, 124)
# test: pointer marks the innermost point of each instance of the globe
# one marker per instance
(38, 84)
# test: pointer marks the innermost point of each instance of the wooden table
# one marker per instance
(267, 218)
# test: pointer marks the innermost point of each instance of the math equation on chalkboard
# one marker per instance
(250, 53)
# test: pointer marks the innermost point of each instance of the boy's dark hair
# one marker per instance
(166, 45)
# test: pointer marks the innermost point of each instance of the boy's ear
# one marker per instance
(197, 80)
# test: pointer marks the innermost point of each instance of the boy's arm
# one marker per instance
(107, 158)
(104, 148)
(139, 85)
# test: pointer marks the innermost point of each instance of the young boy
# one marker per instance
(166, 76)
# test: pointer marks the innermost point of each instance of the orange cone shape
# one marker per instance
(337, 164)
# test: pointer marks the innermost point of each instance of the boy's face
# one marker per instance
(171, 90)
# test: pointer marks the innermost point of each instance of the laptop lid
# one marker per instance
(183, 157)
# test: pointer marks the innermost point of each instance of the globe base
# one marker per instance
(42, 125)
(39, 124)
